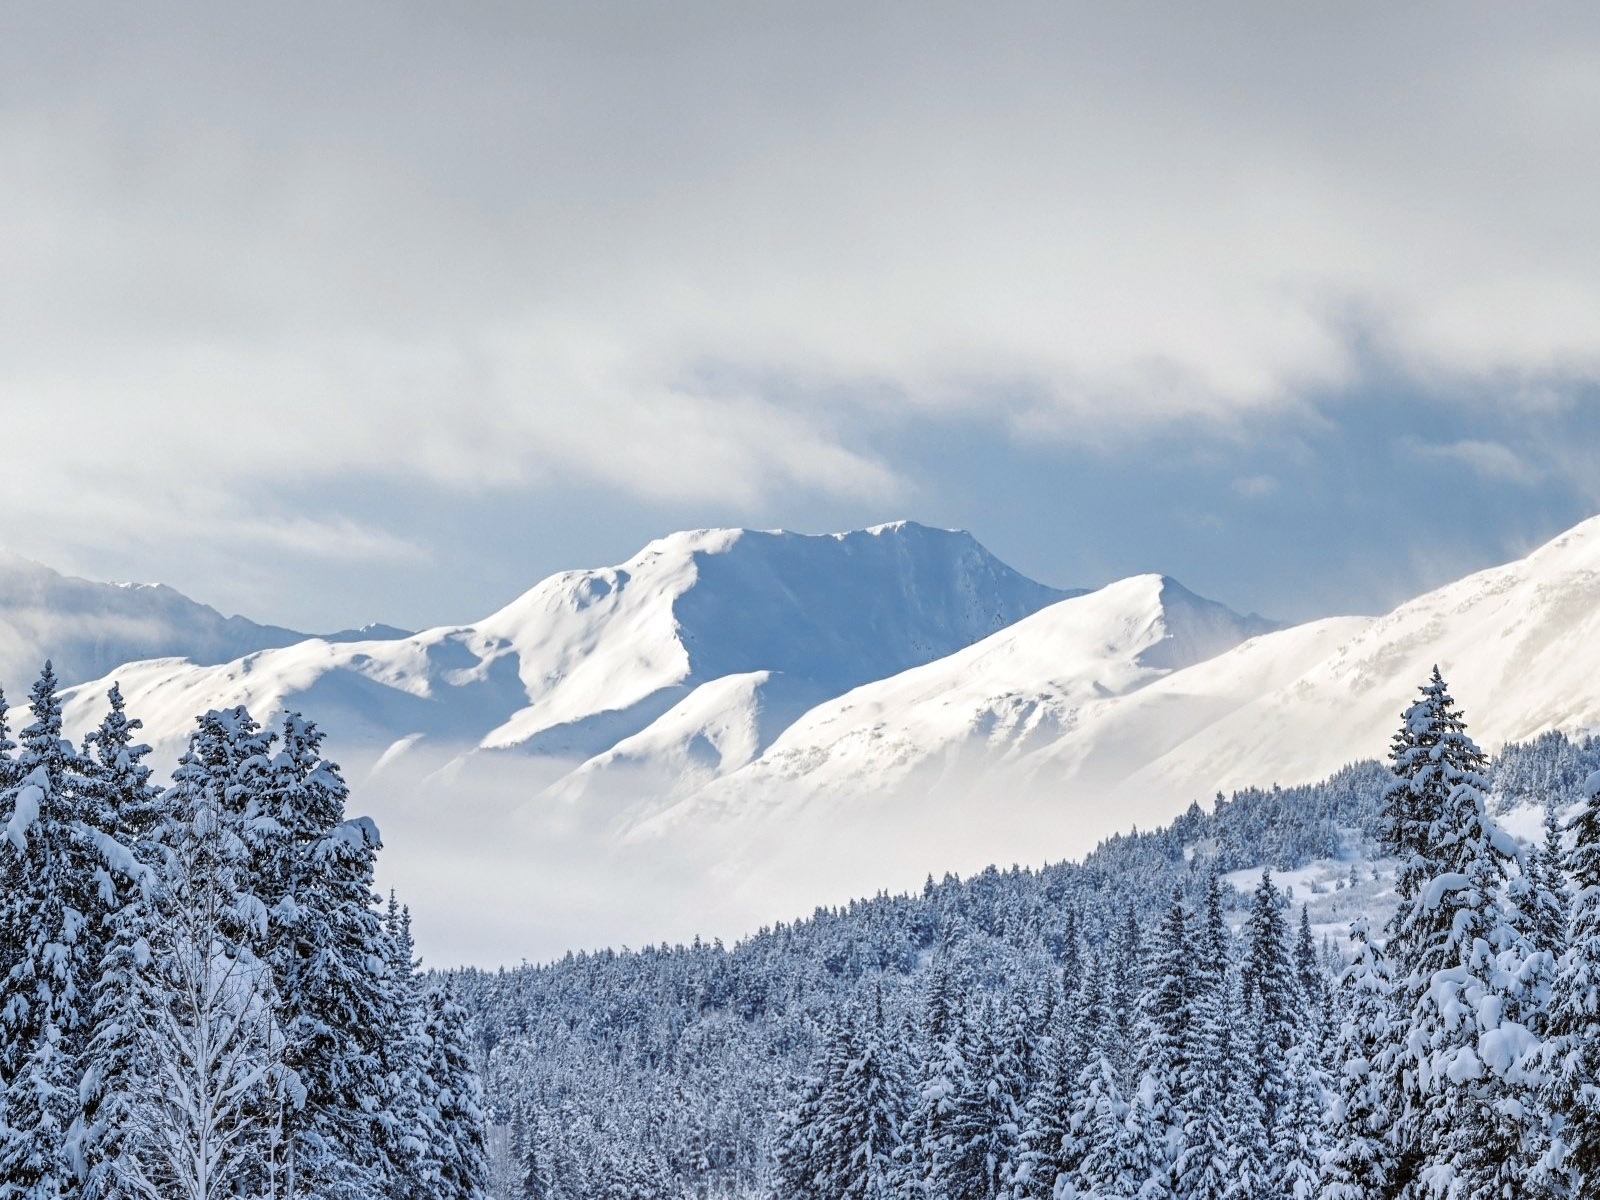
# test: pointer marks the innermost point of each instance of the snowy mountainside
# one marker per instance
(1515, 643)
(993, 701)
(87, 628)
(1064, 766)
(587, 659)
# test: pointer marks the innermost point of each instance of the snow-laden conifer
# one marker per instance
(1200, 1167)
(1452, 937)
(1358, 1162)
(201, 1122)
(457, 1099)
(1572, 1048)
(51, 925)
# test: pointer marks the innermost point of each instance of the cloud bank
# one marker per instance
(712, 254)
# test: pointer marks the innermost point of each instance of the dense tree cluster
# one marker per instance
(1132, 1026)
(199, 994)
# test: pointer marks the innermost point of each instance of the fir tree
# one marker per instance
(52, 925)
(1047, 1114)
(1272, 1002)
(1359, 1161)
(1201, 1167)
(1572, 1047)
(1450, 936)
(341, 1002)
(199, 1122)
(457, 1099)
(1167, 1046)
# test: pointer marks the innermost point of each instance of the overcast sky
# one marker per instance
(330, 313)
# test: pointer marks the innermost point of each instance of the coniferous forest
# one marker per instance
(1132, 1026)
(200, 995)
(203, 997)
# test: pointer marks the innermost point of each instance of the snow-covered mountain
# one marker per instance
(989, 704)
(1057, 732)
(736, 632)
(88, 629)
(738, 723)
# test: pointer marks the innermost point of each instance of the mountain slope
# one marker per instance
(1517, 644)
(586, 659)
(1024, 686)
(87, 629)
(942, 766)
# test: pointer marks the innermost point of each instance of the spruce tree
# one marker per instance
(457, 1096)
(52, 924)
(1251, 1161)
(1047, 1114)
(341, 1001)
(1359, 1160)
(943, 1076)
(1201, 1166)
(1450, 937)
(410, 1133)
(1273, 1008)
(1572, 1046)
(1110, 1153)
(200, 1121)
(1167, 1045)
(128, 811)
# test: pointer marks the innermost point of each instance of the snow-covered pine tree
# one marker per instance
(1200, 1167)
(1358, 1162)
(1127, 983)
(1307, 970)
(339, 1000)
(1549, 896)
(1167, 1043)
(410, 1133)
(51, 923)
(942, 1075)
(856, 1135)
(1572, 1046)
(1047, 1114)
(1082, 1044)
(199, 1114)
(1251, 1166)
(461, 1151)
(8, 762)
(531, 1173)
(1274, 1010)
(126, 809)
(1450, 935)
(986, 1108)
(121, 800)
(1303, 1141)
(1107, 1156)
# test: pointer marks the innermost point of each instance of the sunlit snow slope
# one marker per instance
(587, 659)
(1058, 732)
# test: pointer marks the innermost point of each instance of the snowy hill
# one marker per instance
(587, 659)
(742, 725)
(1028, 744)
(989, 704)
(87, 628)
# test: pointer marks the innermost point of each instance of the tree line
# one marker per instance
(1457, 1058)
(200, 994)
(1128, 1026)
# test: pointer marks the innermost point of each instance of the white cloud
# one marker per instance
(1255, 487)
(1491, 460)
(485, 250)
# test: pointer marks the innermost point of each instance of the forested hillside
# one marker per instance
(1132, 1025)
(199, 994)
